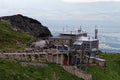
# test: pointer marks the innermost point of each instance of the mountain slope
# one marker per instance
(26, 24)
(14, 71)
(11, 39)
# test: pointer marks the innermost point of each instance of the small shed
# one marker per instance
(100, 62)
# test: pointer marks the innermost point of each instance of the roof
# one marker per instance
(78, 43)
(92, 57)
(83, 38)
(99, 59)
(73, 33)
(94, 49)
(59, 37)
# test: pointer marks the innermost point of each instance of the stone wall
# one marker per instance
(75, 71)
(24, 57)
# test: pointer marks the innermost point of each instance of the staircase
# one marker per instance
(75, 71)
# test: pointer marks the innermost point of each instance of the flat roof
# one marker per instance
(73, 33)
(99, 59)
(59, 37)
(83, 38)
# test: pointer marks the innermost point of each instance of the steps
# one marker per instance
(75, 71)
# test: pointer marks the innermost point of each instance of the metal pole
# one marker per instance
(57, 58)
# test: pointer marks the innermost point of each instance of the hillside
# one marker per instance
(111, 71)
(26, 24)
(11, 39)
(14, 71)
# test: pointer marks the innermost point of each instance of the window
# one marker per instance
(88, 46)
(62, 48)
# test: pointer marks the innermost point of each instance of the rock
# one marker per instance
(26, 24)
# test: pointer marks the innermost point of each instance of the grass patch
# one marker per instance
(13, 40)
(111, 71)
(14, 71)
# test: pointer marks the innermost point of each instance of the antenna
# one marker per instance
(73, 29)
(88, 37)
(63, 30)
(66, 28)
(80, 29)
(95, 26)
(96, 32)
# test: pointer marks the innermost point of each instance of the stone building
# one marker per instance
(73, 35)
(60, 41)
(82, 49)
(67, 38)
(87, 45)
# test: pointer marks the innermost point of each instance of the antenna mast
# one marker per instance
(96, 32)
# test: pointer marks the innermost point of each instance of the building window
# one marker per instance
(88, 46)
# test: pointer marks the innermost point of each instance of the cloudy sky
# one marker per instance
(81, 1)
(61, 13)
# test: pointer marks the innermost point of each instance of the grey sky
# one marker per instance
(59, 13)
